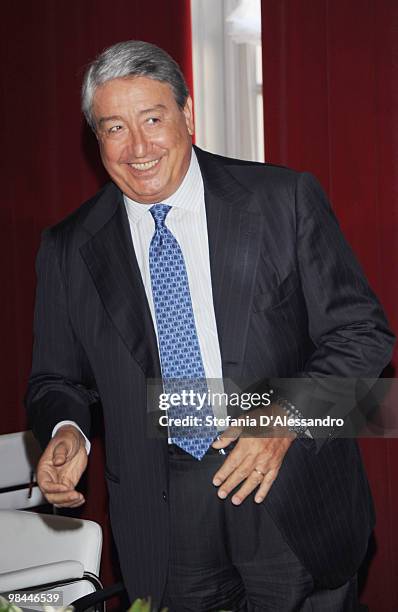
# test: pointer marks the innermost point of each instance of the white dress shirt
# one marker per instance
(187, 221)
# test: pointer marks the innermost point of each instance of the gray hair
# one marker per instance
(128, 59)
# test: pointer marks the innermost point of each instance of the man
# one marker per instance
(260, 284)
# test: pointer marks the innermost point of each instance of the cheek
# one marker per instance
(110, 152)
(169, 138)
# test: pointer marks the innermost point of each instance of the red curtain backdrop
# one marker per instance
(331, 107)
(50, 163)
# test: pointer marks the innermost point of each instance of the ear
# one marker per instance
(188, 112)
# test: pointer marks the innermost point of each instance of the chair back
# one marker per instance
(19, 455)
(49, 553)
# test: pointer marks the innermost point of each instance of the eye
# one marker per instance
(114, 129)
(153, 120)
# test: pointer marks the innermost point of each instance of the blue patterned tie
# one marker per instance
(180, 357)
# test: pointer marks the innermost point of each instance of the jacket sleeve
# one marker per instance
(58, 387)
(346, 322)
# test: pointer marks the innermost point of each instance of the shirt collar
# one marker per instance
(189, 195)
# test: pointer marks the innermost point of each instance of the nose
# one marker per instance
(138, 144)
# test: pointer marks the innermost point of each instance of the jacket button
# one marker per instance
(164, 495)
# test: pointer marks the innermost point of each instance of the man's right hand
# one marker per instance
(61, 467)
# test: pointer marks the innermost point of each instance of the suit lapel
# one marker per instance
(110, 258)
(234, 229)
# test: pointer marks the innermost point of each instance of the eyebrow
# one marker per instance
(110, 118)
(153, 108)
(103, 120)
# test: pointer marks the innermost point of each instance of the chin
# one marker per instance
(155, 195)
(144, 197)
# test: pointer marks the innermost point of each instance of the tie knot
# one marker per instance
(159, 213)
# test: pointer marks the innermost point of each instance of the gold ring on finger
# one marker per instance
(259, 472)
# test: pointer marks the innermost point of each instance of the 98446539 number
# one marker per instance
(45, 597)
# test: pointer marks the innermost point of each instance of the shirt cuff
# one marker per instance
(58, 425)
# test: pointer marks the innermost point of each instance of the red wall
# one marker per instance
(50, 163)
(331, 107)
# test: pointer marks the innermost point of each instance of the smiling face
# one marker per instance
(144, 136)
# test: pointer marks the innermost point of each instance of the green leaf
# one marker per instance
(141, 605)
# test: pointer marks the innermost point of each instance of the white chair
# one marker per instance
(49, 553)
(41, 552)
(19, 454)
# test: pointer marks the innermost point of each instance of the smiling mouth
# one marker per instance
(145, 165)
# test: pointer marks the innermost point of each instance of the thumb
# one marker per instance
(60, 454)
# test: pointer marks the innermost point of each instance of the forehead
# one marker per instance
(134, 93)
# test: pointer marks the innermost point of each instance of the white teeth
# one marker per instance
(145, 166)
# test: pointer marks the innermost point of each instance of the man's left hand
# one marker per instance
(255, 462)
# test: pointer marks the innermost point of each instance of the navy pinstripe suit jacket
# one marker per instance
(289, 299)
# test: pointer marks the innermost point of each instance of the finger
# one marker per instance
(265, 485)
(60, 454)
(46, 477)
(240, 473)
(254, 480)
(64, 498)
(230, 464)
(227, 436)
(80, 503)
(76, 504)
(48, 486)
